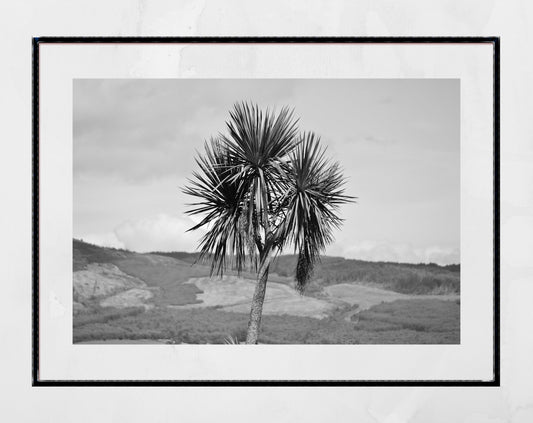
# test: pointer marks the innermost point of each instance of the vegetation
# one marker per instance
(402, 321)
(427, 315)
(169, 279)
(260, 189)
(85, 253)
(104, 315)
(399, 277)
(405, 278)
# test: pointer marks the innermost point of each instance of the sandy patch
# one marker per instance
(101, 280)
(234, 294)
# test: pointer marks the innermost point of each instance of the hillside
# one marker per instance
(399, 277)
(123, 295)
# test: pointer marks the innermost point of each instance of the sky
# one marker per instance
(397, 140)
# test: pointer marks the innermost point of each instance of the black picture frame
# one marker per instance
(38, 41)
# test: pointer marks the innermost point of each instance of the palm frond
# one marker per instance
(220, 202)
(231, 340)
(260, 188)
(313, 192)
(238, 183)
(259, 143)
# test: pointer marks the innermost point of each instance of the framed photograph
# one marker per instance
(266, 211)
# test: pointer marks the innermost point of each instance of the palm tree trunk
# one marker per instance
(257, 306)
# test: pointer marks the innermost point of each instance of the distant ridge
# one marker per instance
(192, 257)
(400, 277)
(407, 278)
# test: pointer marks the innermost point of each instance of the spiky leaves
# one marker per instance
(239, 182)
(259, 143)
(313, 192)
(220, 206)
(261, 188)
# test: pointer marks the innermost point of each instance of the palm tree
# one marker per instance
(261, 188)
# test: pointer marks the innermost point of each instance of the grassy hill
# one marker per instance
(123, 296)
(399, 277)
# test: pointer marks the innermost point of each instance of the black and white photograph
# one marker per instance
(205, 205)
(266, 211)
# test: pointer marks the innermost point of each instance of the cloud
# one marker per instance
(402, 253)
(164, 232)
(158, 233)
(376, 140)
(134, 143)
(138, 130)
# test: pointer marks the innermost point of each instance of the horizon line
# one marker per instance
(279, 255)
